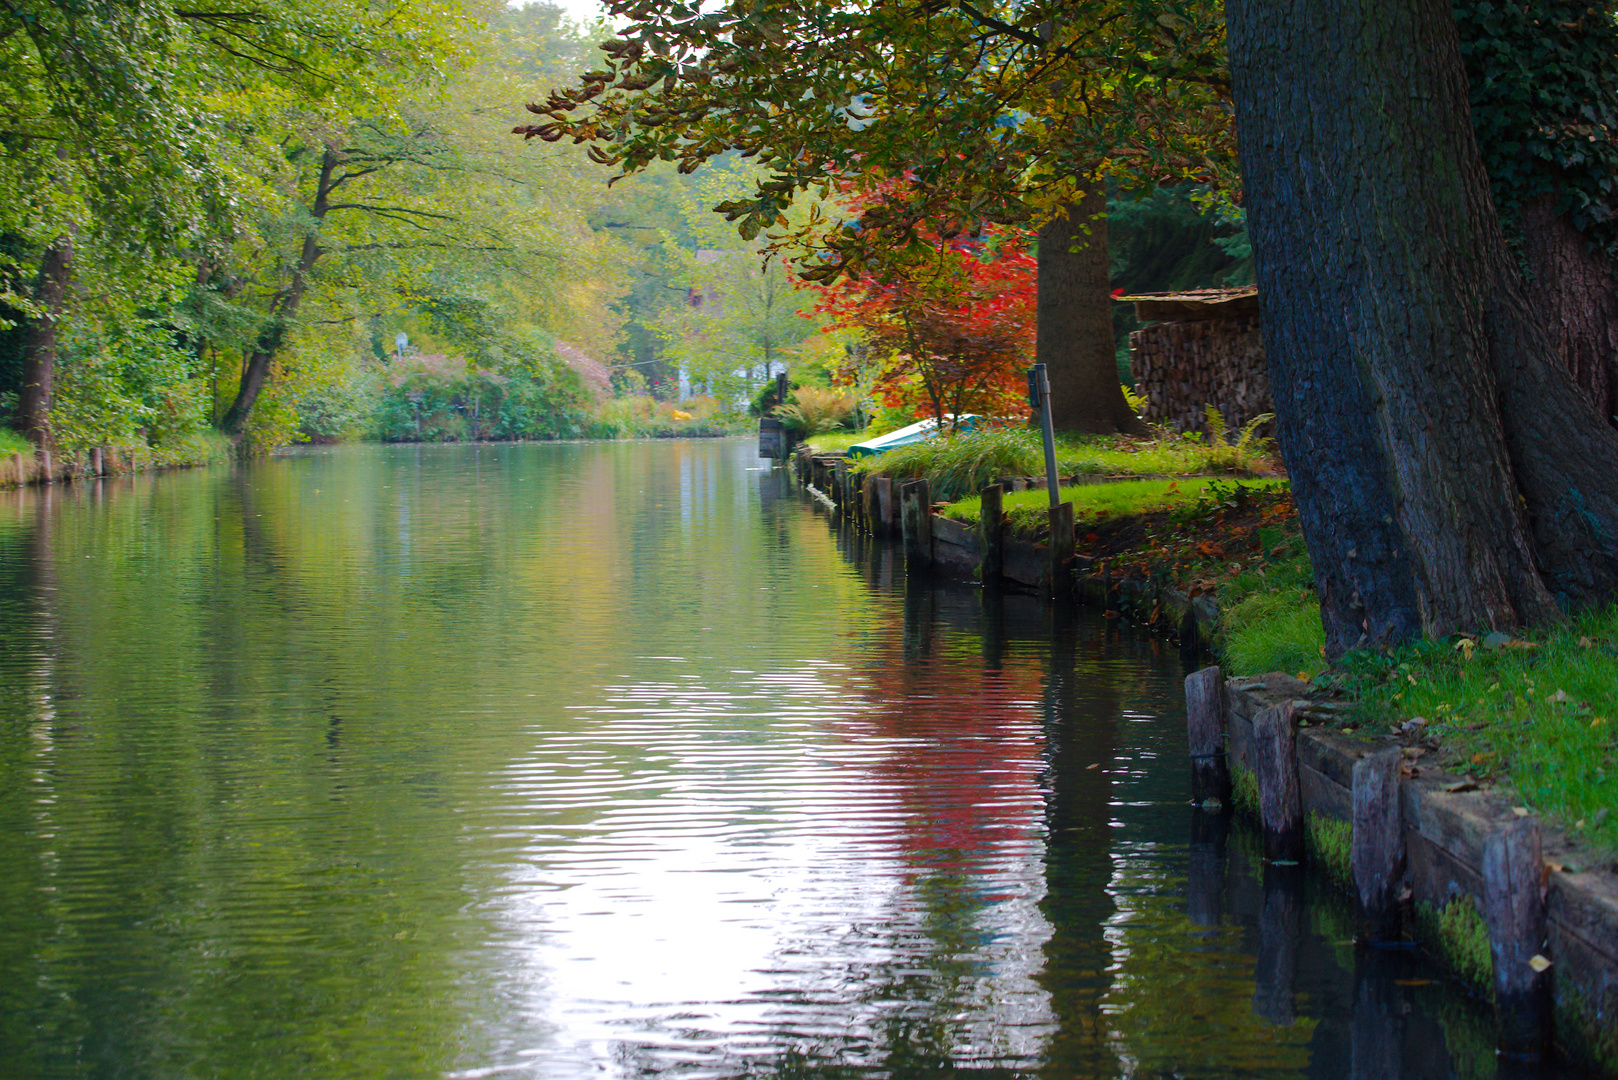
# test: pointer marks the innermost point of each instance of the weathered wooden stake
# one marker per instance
(991, 527)
(1061, 550)
(873, 506)
(916, 507)
(839, 484)
(1279, 796)
(1377, 851)
(885, 512)
(1514, 907)
(1205, 731)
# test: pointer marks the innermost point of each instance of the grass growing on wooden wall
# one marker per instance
(1330, 843)
(1462, 938)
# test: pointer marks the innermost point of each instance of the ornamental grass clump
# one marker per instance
(960, 465)
(816, 410)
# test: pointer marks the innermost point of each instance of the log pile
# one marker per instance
(1185, 364)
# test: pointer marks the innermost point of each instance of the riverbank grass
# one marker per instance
(835, 442)
(1539, 711)
(1026, 510)
(962, 465)
(13, 443)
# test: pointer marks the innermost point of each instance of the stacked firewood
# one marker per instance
(1182, 367)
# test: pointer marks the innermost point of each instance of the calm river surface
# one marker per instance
(614, 760)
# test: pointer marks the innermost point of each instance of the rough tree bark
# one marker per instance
(283, 308)
(39, 342)
(1571, 288)
(1448, 474)
(1073, 316)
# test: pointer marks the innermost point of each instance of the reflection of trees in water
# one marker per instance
(1161, 962)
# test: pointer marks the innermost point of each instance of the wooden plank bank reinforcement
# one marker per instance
(983, 552)
(1507, 903)
(1518, 910)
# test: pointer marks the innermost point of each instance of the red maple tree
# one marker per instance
(952, 329)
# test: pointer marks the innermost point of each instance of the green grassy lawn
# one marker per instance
(960, 466)
(835, 442)
(12, 443)
(1539, 712)
(1026, 510)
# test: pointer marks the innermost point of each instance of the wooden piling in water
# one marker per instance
(885, 506)
(1377, 850)
(991, 527)
(916, 513)
(1061, 551)
(839, 484)
(1514, 908)
(1205, 732)
(873, 505)
(1279, 794)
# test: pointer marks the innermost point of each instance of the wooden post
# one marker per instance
(884, 501)
(95, 462)
(1061, 550)
(873, 505)
(1279, 796)
(916, 512)
(1205, 731)
(1514, 907)
(991, 527)
(1377, 851)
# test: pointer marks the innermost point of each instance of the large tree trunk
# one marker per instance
(1423, 414)
(40, 344)
(1074, 322)
(1571, 288)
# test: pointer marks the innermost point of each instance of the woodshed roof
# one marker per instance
(1194, 304)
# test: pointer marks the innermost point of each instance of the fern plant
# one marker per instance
(1242, 452)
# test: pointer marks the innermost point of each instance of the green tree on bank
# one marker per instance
(221, 246)
(987, 111)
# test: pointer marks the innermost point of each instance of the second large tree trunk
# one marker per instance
(1425, 418)
(40, 342)
(1571, 288)
(1074, 322)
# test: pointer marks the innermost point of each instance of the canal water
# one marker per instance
(615, 760)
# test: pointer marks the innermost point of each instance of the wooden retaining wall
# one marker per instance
(960, 552)
(1447, 824)
(17, 470)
